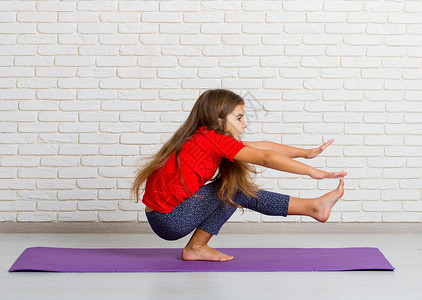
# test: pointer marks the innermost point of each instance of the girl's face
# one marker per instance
(236, 123)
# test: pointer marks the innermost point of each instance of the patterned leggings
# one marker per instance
(206, 211)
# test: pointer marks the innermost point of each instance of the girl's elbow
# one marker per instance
(266, 159)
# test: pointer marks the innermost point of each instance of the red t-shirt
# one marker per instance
(199, 159)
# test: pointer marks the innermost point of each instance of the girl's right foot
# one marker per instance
(204, 253)
(322, 206)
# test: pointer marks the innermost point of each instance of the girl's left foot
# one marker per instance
(204, 253)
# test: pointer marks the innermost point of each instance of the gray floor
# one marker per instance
(404, 251)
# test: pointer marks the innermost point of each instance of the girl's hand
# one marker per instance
(312, 153)
(318, 174)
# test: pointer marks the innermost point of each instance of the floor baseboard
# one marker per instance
(230, 227)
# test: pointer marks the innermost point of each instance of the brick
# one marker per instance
(382, 118)
(381, 206)
(345, 162)
(138, 6)
(382, 6)
(363, 151)
(173, 17)
(301, 140)
(386, 162)
(93, 161)
(345, 51)
(56, 205)
(119, 39)
(342, 117)
(381, 74)
(18, 28)
(17, 6)
(226, 51)
(111, 17)
(302, 6)
(20, 162)
(413, 141)
(178, 28)
(18, 50)
(290, 39)
(56, 28)
(98, 6)
(365, 195)
(36, 195)
(367, 17)
(199, 83)
(17, 206)
(412, 206)
(179, 6)
(362, 40)
(340, 73)
(117, 216)
(404, 217)
(322, 84)
(385, 29)
(403, 128)
(364, 129)
(257, 6)
(323, 128)
(302, 117)
(410, 183)
(403, 151)
(37, 216)
(282, 83)
(77, 17)
(360, 62)
(305, 50)
(119, 83)
(365, 107)
(303, 28)
(220, 28)
(77, 195)
(236, 17)
(400, 195)
(271, 62)
(97, 205)
(118, 150)
(77, 216)
(358, 217)
(8, 216)
(320, 62)
(96, 28)
(402, 173)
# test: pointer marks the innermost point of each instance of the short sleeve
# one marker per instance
(223, 145)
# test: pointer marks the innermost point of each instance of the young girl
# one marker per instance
(177, 198)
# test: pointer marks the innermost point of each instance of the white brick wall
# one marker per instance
(90, 88)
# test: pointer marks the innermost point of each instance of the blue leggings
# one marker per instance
(206, 211)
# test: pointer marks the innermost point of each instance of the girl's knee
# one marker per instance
(171, 235)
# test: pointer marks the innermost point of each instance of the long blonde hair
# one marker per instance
(211, 106)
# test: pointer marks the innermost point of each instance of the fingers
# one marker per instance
(325, 145)
(337, 174)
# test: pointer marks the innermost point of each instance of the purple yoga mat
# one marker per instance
(169, 260)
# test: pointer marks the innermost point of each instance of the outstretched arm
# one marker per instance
(277, 161)
(289, 151)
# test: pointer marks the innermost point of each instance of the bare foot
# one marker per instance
(323, 205)
(204, 253)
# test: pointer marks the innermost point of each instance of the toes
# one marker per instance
(225, 258)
